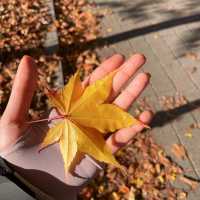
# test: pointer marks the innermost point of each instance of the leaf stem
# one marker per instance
(47, 119)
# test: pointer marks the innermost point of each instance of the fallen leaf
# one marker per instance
(192, 55)
(192, 183)
(182, 196)
(195, 125)
(156, 36)
(115, 196)
(161, 179)
(179, 151)
(188, 134)
(131, 195)
(101, 189)
(124, 189)
(173, 176)
(193, 70)
(138, 182)
(109, 30)
(86, 117)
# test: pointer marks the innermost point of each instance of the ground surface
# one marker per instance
(167, 33)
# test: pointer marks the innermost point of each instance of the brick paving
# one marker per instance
(168, 34)
(164, 31)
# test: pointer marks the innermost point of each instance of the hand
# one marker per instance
(45, 170)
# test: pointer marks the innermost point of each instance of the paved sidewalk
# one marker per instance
(168, 34)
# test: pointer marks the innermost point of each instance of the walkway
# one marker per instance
(168, 34)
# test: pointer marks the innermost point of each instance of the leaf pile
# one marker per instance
(151, 175)
(77, 25)
(75, 22)
(23, 24)
(171, 102)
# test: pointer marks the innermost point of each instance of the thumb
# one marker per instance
(22, 92)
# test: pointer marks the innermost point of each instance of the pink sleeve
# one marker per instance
(45, 170)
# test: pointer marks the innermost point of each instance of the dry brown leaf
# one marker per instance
(179, 151)
(193, 184)
(192, 55)
(124, 189)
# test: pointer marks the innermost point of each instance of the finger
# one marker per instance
(128, 69)
(22, 92)
(132, 91)
(123, 136)
(106, 67)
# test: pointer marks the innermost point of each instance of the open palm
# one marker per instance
(19, 142)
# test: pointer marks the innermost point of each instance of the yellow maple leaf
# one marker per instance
(86, 118)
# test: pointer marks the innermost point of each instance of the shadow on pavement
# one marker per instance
(163, 117)
(166, 14)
